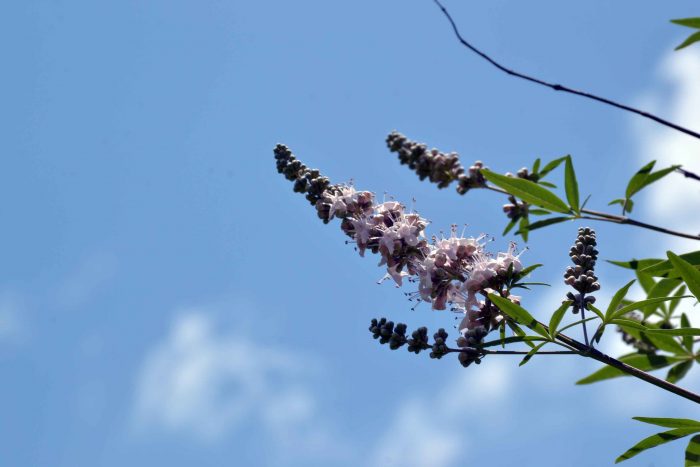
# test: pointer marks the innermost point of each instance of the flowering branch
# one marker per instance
(559, 87)
(445, 168)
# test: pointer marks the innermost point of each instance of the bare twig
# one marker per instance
(559, 87)
(688, 174)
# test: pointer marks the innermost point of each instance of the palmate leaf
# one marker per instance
(661, 289)
(656, 440)
(644, 362)
(527, 191)
(690, 275)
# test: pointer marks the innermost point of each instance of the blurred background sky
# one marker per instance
(166, 299)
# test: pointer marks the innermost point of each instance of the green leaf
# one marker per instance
(692, 452)
(526, 271)
(675, 332)
(538, 212)
(641, 304)
(511, 340)
(644, 362)
(661, 289)
(527, 191)
(571, 325)
(547, 184)
(596, 311)
(642, 264)
(518, 313)
(620, 201)
(662, 268)
(509, 227)
(688, 22)
(629, 323)
(645, 280)
(502, 334)
(659, 174)
(557, 317)
(546, 222)
(636, 183)
(687, 340)
(551, 166)
(690, 275)
(531, 354)
(678, 372)
(536, 165)
(665, 342)
(656, 440)
(571, 185)
(692, 39)
(519, 332)
(669, 422)
(617, 299)
(523, 228)
(674, 303)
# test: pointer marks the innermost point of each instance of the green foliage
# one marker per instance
(640, 180)
(557, 317)
(680, 428)
(644, 362)
(692, 452)
(687, 271)
(528, 191)
(571, 185)
(690, 23)
(519, 314)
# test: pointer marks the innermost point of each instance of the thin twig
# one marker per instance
(476, 350)
(688, 174)
(559, 87)
(605, 217)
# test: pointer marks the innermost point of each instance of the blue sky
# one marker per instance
(166, 299)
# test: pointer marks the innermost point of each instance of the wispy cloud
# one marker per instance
(432, 431)
(673, 202)
(208, 384)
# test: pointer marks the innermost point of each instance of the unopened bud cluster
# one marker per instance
(643, 344)
(395, 335)
(582, 275)
(305, 180)
(525, 174)
(516, 209)
(437, 166)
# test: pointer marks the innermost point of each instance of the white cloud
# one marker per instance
(207, 384)
(673, 202)
(432, 431)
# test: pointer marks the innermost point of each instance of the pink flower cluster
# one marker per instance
(452, 270)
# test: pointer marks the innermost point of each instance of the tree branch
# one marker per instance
(605, 217)
(559, 87)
